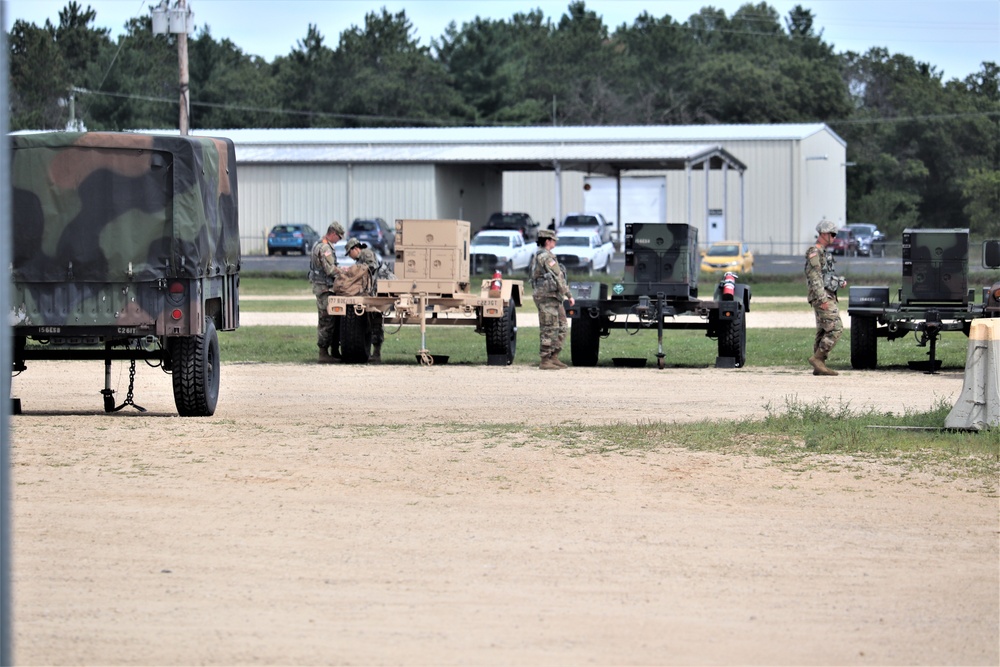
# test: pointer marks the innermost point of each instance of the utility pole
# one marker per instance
(178, 21)
(182, 65)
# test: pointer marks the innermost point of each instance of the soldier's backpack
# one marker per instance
(353, 281)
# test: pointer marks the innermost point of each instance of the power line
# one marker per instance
(438, 122)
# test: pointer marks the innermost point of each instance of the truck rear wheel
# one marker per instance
(585, 340)
(501, 337)
(733, 338)
(355, 338)
(864, 342)
(195, 371)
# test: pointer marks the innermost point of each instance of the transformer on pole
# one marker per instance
(177, 21)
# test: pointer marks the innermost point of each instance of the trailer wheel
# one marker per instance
(864, 342)
(501, 337)
(195, 371)
(355, 338)
(585, 340)
(733, 338)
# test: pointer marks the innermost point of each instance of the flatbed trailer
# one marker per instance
(934, 297)
(660, 285)
(432, 288)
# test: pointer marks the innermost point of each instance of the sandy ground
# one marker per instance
(373, 516)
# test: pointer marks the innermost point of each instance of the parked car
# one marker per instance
(522, 222)
(294, 237)
(870, 241)
(594, 221)
(499, 249)
(844, 243)
(727, 256)
(581, 250)
(376, 232)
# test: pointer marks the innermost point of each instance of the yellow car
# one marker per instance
(727, 256)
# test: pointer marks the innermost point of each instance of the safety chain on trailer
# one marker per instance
(128, 396)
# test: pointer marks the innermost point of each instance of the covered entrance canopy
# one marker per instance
(588, 150)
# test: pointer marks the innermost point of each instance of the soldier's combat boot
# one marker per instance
(558, 362)
(324, 357)
(547, 364)
(376, 357)
(818, 362)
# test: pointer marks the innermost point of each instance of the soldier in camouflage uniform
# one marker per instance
(549, 290)
(323, 270)
(823, 285)
(362, 254)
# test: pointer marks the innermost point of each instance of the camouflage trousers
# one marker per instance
(828, 328)
(552, 326)
(328, 327)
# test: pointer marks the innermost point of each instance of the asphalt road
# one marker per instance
(765, 264)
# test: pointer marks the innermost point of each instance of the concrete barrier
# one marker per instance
(978, 405)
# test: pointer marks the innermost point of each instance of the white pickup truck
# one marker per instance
(500, 250)
(581, 250)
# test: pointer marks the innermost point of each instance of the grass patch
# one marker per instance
(683, 349)
(795, 436)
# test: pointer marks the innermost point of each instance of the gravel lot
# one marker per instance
(346, 515)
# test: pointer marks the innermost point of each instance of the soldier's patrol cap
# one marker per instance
(546, 234)
(353, 243)
(335, 228)
(826, 227)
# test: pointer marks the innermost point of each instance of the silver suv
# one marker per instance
(870, 241)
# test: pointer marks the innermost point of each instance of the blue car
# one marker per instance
(291, 237)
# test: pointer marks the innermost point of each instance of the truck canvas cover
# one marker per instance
(98, 207)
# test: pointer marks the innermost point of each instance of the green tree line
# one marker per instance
(923, 151)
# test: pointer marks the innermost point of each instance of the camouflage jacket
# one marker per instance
(323, 268)
(548, 280)
(820, 276)
(379, 269)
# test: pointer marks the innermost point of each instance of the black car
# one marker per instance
(291, 237)
(375, 232)
(521, 222)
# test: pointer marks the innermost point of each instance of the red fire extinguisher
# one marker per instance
(728, 285)
(495, 283)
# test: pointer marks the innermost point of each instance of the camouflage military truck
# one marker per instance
(432, 287)
(659, 285)
(126, 247)
(935, 296)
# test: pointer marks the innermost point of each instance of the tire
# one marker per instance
(501, 337)
(195, 371)
(607, 267)
(864, 342)
(733, 338)
(355, 338)
(585, 340)
(590, 268)
(270, 252)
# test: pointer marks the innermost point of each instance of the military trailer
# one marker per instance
(660, 284)
(126, 247)
(935, 296)
(432, 287)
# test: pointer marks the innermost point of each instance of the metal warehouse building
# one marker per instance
(766, 184)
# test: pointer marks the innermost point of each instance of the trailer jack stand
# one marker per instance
(109, 393)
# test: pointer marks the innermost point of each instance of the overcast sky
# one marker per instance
(953, 35)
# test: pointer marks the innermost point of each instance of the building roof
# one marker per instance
(594, 149)
(534, 134)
